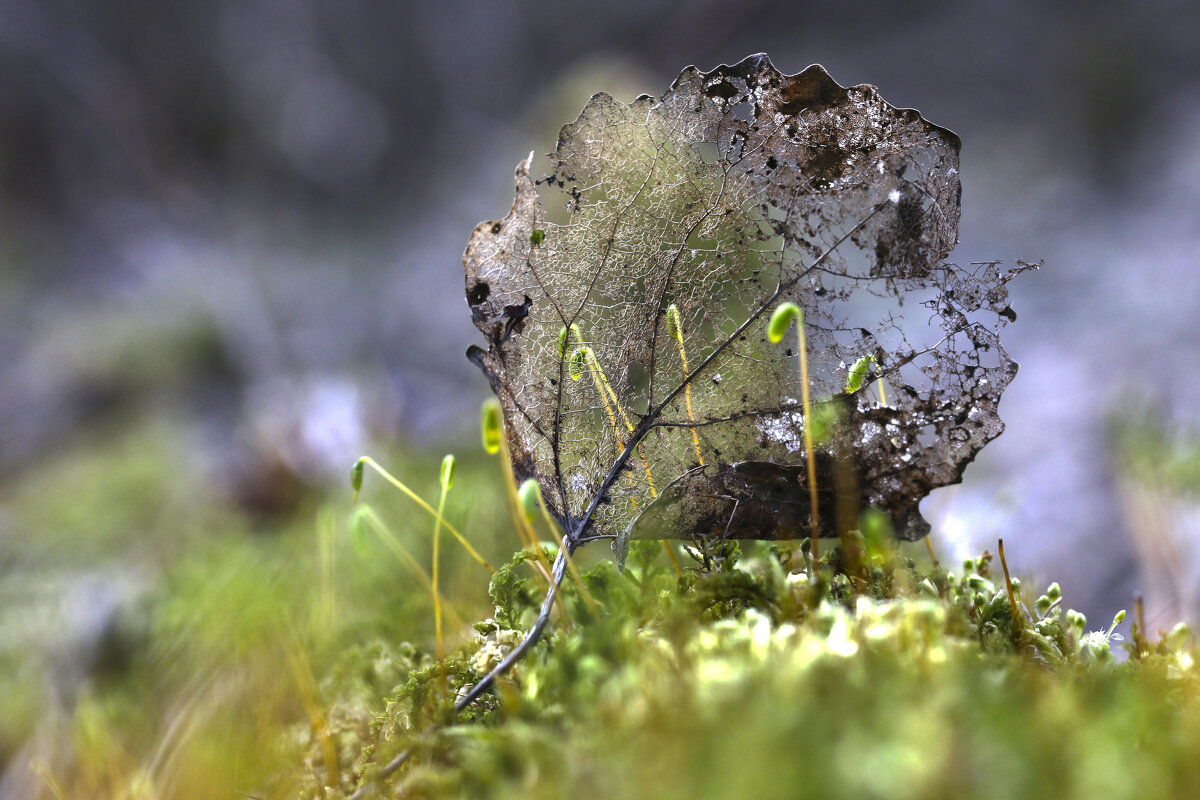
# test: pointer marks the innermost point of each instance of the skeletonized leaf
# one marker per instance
(737, 190)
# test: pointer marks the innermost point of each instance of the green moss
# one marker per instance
(749, 680)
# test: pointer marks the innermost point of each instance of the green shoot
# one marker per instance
(446, 479)
(781, 318)
(563, 343)
(858, 373)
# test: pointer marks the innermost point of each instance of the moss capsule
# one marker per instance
(781, 318)
(447, 474)
(578, 363)
(530, 495)
(674, 327)
(492, 425)
(858, 373)
(356, 477)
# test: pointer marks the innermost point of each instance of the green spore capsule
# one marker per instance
(537, 237)
(530, 494)
(858, 374)
(781, 318)
(578, 363)
(674, 327)
(492, 426)
(356, 477)
(447, 474)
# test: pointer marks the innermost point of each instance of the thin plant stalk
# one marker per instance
(1139, 625)
(524, 529)
(445, 479)
(777, 326)
(929, 546)
(610, 402)
(675, 328)
(417, 499)
(402, 553)
(1012, 599)
(810, 455)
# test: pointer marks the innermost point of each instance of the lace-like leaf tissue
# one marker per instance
(645, 264)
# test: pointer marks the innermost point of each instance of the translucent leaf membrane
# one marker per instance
(737, 190)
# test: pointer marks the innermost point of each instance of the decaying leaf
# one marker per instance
(624, 300)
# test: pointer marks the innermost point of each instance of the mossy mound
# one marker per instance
(873, 679)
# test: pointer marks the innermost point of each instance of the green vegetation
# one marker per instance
(296, 659)
(748, 679)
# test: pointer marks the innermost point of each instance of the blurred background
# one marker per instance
(230, 239)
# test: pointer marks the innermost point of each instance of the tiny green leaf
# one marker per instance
(530, 495)
(673, 325)
(492, 425)
(781, 318)
(447, 475)
(537, 237)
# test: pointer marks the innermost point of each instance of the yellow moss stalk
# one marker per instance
(492, 416)
(675, 328)
(585, 358)
(776, 328)
(445, 479)
(306, 684)
(356, 481)
(372, 520)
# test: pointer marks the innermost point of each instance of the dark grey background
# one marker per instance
(250, 213)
